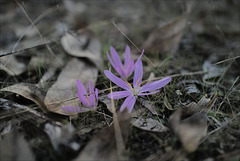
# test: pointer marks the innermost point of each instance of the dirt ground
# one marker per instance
(45, 46)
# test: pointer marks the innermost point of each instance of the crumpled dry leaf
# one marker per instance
(61, 135)
(104, 99)
(64, 91)
(12, 66)
(193, 107)
(149, 105)
(189, 131)
(212, 72)
(28, 91)
(14, 147)
(149, 124)
(51, 63)
(83, 45)
(167, 37)
(191, 89)
(103, 145)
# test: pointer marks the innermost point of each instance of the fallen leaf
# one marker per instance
(83, 45)
(167, 37)
(167, 104)
(213, 72)
(193, 107)
(104, 99)
(149, 105)
(29, 91)
(189, 131)
(12, 65)
(191, 89)
(61, 136)
(14, 147)
(149, 124)
(64, 91)
(103, 145)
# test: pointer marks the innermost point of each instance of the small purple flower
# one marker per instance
(123, 70)
(88, 100)
(133, 92)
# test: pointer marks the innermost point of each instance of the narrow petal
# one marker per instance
(83, 99)
(155, 85)
(96, 94)
(121, 83)
(138, 74)
(81, 87)
(73, 109)
(120, 71)
(116, 67)
(129, 68)
(131, 104)
(118, 95)
(115, 57)
(111, 61)
(149, 93)
(128, 101)
(127, 56)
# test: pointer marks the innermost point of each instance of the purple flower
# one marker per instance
(123, 70)
(137, 90)
(88, 100)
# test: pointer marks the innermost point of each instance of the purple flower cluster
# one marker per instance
(131, 92)
(90, 100)
(123, 70)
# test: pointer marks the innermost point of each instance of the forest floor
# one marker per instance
(45, 46)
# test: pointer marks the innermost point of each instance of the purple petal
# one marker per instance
(111, 61)
(115, 57)
(73, 109)
(129, 68)
(155, 85)
(121, 83)
(143, 94)
(83, 99)
(120, 71)
(91, 88)
(81, 87)
(117, 68)
(127, 56)
(138, 74)
(129, 103)
(118, 95)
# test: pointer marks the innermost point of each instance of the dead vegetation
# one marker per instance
(45, 46)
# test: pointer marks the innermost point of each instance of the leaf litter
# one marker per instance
(204, 64)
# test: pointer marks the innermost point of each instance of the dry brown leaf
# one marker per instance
(104, 99)
(189, 131)
(149, 124)
(193, 107)
(103, 145)
(14, 147)
(167, 104)
(167, 37)
(61, 136)
(64, 91)
(213, 72)
(83, 45)
(12, 66)
(28, 91)
(149, 105)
